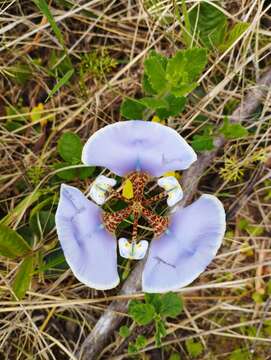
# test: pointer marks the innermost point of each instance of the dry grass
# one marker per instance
(227, 308)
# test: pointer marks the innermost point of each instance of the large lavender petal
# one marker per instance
(88, 248)
(191, 242)
(138, 145)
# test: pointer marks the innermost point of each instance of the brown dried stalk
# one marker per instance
(111, 318)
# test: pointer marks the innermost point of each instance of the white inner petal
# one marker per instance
(173, 189)
(99, 188)
(132, 250)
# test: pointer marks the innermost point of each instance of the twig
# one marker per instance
(111, 319)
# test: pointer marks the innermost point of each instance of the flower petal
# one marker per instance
(173, 188)
(88, 248)
(100, 186)
(138, 145)
(135, 251)
(188, 246)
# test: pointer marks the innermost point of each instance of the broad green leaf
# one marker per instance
(86, 172)
(233, 131)
(65, 174)
(154, 300)
(124, 331)
(52, 261)
(132, 109)
(146, 86)
(202, 142)
(186, 66)
(153, 103)
(69, 147)
(23, 277)
(43, 7)
(194, 348)
(208, 23)
(175, 106)
(141, 313)
(175, 356)
(11, 243)
(154, 67)
(235, 33)
(240, 354)
(62, 81)
(171, 305)
(183, 89)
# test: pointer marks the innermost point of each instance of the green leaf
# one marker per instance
(65, 174)
(141, 313)
(132, 109)
(186, 66)
(175, 106)
(171, 305)
(86, 172)
(194, 348)
(11, 243)
(153, 103)
(61, 82)
(42, 222)
(174, 356)
(154, 67)
(184, 89)
(208, 23)
(69, 147)
(240, 354)
(235, 33)
(202, 142)
(154, 300)
(124, 331)
(146, 86)
(43, 7)
(23, 277)
(233, 131)
(140, 342)
(160, 331)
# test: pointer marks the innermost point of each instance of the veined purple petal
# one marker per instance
(89, 249)
(184, 251)
(138, 145)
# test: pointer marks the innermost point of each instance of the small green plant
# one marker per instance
(97, 63)
(154, 310)
(166, 82)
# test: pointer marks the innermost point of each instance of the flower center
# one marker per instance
(137, 208)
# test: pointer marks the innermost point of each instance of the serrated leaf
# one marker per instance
(154, 67)
(233, 131)
(183, 89)
(186, 66)
(69, 147)
(23, 277)
(132, 109)
(141, 313)
(61, 82)
(154, 300)
(11, 243)
(202, 142)
(160, 331)
(235, 33)
(171, 305)
(153, 103)
(208, 24)
(175, 106)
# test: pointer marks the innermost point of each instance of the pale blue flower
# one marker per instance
(183, 244)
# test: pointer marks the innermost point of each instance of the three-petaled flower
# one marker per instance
(183, 243)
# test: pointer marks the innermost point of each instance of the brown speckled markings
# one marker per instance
(139, 180)
(112, 220)
(136, 207)
(158, 223)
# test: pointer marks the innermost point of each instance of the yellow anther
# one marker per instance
(127, 191)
